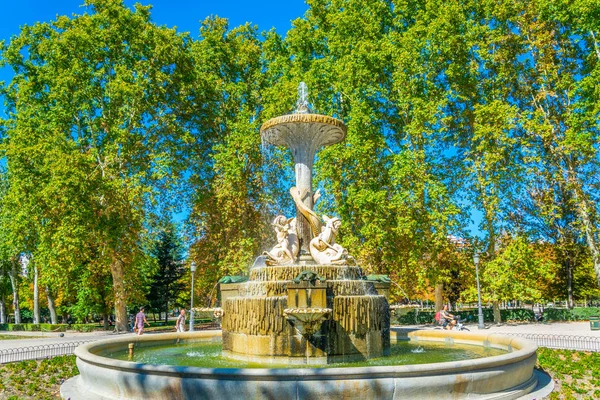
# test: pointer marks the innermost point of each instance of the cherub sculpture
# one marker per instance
(324, 249)
(286, 249)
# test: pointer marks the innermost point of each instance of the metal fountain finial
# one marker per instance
(302, 106)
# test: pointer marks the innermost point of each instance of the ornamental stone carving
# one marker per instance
(287, 247)
(324, 249)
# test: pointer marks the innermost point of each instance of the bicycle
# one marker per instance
(460, 326)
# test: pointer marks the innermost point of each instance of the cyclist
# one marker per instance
(448, 320)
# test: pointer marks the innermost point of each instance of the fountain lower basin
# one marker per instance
(506, 376)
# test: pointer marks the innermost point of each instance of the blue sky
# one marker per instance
(185, 14)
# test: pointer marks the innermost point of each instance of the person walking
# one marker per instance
(140, 320)
(180, 324)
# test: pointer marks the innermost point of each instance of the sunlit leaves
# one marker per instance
(519, 272)
(96, 134)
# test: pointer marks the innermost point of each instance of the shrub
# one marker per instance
(584, 313)
(413, 317)
(84, 327)
(472, 315)
(34, 327)
(419, 317)
(16, 327)
(517, 314)
(576, 314)
(53, 327)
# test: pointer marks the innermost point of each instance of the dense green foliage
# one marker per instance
(452, 107)
(166, 283)
(575, 314)
(100, 96)
(519, 272)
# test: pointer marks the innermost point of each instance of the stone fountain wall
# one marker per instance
(255, 324)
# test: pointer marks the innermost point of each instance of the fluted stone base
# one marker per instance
(256, 326)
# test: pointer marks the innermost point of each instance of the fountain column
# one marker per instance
(304, 159)
(303, 133)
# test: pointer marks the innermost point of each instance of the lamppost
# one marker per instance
(480, 311)
(193, 269)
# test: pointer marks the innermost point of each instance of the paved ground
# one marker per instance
(557, 328)
(554, 328)
(40, 338)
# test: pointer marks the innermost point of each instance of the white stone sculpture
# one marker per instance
(324, 249)
(287, 247)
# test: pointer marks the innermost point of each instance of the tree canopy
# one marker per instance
(453, 108)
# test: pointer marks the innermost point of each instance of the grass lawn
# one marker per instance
(575, 373)
(15, 337)
(36, 379)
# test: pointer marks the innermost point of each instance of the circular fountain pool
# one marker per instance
(208, 354)
(504, 370)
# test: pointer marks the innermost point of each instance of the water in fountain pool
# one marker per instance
(208, 355)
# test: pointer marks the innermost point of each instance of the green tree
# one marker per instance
(519, 272)
(547, 213)
(5, 291)
(227, 223)
(389, 180)
(166, 283)
(92, 286)
(104, 97)
(560, 106)
(5, 288)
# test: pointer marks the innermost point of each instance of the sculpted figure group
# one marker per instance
(287, 247)
(323, 248)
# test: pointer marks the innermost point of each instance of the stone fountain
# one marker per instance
(307, 302)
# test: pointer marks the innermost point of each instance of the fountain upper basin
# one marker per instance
(315, 130)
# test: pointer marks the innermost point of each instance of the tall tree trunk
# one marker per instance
(13, 275)
(589, 227)
(569, 283)
(167, 304)
(439, 298)
(2, 310)
(116, 270)
(36, 296)
(497, 316)
(50, 297)
(105, 320)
